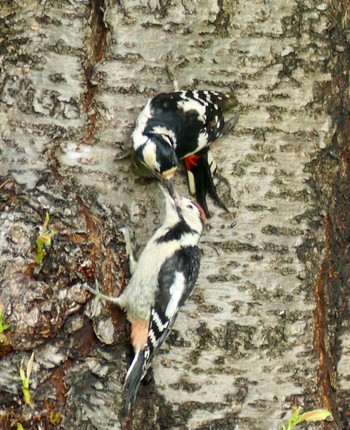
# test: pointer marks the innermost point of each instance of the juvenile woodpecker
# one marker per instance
(180, 126)
(161, 281)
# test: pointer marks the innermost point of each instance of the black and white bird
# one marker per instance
(181, 126)
(161, 281)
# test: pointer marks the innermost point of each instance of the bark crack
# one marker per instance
(95, 44)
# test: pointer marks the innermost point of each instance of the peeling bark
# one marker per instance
(267, 325)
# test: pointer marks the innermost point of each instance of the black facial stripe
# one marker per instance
(176, 232)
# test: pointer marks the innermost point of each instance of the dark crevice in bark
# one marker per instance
(95, 44)
(332, 190)
(323, 333)
(338, 221)
(223, 18)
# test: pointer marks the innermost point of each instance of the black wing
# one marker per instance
(195, 118)
(176, 281)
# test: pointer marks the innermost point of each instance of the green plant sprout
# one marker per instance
(55, 417)
(3, 327)
(25, 379)
(44, 238)
(311, 416)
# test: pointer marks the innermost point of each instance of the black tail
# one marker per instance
(201, 173)
(133, 379)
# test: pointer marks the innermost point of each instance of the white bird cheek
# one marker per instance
(149, 156)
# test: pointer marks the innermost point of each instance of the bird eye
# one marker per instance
(190, 206)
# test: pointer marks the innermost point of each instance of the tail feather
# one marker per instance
(201, 168)
(200, 178)
(133, 379)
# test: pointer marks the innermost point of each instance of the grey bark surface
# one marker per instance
(267, 326)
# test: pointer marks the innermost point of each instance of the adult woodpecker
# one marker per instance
(161, 281)
(180, 126)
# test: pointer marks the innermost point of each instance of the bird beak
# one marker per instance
(170, 187)
(172, 196)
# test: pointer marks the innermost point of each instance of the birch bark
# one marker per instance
(267, 326)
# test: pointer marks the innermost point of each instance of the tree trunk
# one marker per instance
(267, 327)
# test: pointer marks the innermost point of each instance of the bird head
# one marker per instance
(179, 208)
(158, 156)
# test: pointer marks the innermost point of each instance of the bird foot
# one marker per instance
(171, 65)
(100, 296)
(128, 248)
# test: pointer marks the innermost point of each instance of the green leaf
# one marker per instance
(44, 238)
(310, 416)
(3, 326)
(21, 371)
(316, 415)
(294, 418)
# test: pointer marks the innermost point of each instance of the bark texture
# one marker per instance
(267, 327)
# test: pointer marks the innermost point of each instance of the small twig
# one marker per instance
(5, 183)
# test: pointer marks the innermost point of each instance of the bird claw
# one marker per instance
(125, 155)
(128, 248)
(172, 64)
(100, 296)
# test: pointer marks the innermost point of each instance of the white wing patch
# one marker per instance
(176, 292)
(191, 104)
